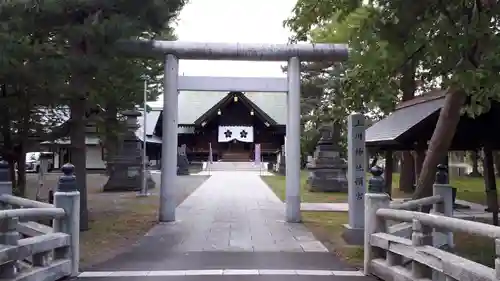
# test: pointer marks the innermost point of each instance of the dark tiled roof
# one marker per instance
(401, 120)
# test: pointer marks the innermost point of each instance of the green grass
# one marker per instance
(277, 183)
(468, 188)
(328, 226)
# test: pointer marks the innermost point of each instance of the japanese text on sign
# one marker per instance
(357, 158)
(356, 169)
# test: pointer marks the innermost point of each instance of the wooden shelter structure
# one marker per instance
(411, 125)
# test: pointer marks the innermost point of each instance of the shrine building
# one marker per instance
(230, 122)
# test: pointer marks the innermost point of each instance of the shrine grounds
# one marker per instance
(328, 226)
(117, 219)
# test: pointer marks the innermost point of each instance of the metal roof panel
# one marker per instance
(401, 120)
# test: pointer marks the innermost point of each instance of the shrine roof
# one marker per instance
(151, 121)
(389, 130)
(414, 121)
(194, 104)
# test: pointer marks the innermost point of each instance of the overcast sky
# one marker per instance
(233, 21)
(241, 21)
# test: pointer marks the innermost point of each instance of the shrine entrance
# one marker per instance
(237, 146)
(293, 54)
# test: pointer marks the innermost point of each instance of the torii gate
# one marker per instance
(172, 51)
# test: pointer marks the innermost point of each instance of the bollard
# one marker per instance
(5, 181)
(67, 197)
(444, 208)
(377, 183)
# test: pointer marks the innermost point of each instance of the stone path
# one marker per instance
(232, 225)
(236, 211)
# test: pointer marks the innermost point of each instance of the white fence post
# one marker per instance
(445, 208)
(67, 197)
(373, 224)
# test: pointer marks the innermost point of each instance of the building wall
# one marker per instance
(267, 137)
(94, 156)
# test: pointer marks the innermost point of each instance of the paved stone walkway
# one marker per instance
(236, 211)
(233, 224)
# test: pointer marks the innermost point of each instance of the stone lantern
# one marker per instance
(327, 171)
(125, 167)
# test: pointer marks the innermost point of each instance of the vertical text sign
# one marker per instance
(356, 169)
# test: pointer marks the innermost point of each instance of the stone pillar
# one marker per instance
(373, 224)
(356, 178)
(170, 139)
(293, 142)
(125, 168)
(327, 171)
(443, 237)
(67, 197)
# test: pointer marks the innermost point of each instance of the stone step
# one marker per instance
(235, 157)
(234, 166)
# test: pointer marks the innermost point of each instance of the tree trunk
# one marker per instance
(440, 141)
(496, 157)
(111, 130)
(21, 171)
(490, 184)
(373, 163)
(419, 156)
(7, 148)
(79, 155)
(23, 133)
(407, 176)
(12, 175)
(475, 164)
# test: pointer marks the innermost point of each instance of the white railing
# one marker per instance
(33, 251)
(391, 256)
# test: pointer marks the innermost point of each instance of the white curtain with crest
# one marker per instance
(239, 133)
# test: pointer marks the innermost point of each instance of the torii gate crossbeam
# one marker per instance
(172, 51)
